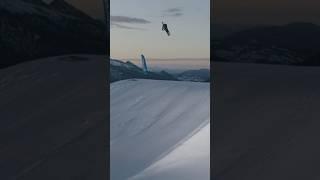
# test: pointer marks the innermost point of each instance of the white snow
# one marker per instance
(159, 130)
(189, 161)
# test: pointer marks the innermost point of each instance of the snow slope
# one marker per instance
(189, 161)
(266, 122)
(159, 130)
(53, 119)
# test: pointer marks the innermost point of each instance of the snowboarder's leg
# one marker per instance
(167, 31)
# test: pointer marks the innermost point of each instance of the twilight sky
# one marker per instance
(136, 28)
(239, 12)
(257, 12)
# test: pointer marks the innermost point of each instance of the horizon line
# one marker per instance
(199, 58)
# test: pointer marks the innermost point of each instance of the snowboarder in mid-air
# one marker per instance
(165, 28)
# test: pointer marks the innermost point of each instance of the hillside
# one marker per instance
(32, 29)
(291, 44)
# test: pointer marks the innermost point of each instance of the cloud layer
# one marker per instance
(118, 21)
(126, 19)
(173, 12)
(125, 27)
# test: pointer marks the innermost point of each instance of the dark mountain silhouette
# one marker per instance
(32, 29)
(295, 43)
(223, 30)
(295, 36)
(200, 75)
(126, 70)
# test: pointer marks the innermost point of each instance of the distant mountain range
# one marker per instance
(120, 70)
(201, 75)
(294, 44)
(222, 30)
(32, 29)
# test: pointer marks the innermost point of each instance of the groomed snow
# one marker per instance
(189, 161)
(159, 130)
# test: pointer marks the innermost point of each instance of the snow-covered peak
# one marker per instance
(115, 62)
(127, 64)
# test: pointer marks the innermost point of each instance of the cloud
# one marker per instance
(118, 21)
(125, 27)
(126, 19)
(173, 12)
(177, 14)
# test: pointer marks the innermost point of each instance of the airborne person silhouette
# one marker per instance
(165, 28)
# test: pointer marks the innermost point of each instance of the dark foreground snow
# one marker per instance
(266, 122)
(53, 119)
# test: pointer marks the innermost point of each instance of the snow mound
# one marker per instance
(159, 129)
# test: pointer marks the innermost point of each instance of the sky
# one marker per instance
(259, 12)
(248, 12)
(136, 29)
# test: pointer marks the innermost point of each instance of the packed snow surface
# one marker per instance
(159, 130)
(53, 119)
(190, 161)
(266, 122)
